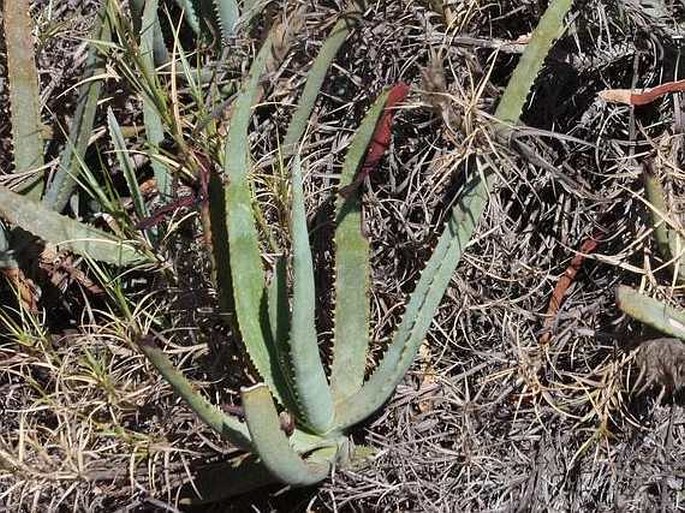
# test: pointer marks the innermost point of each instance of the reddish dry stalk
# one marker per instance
(588, 246)
(642, 97)
(381, 138)
(205, 166)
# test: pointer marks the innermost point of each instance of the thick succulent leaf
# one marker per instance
(670, 244)
(654, 313)
(27, 140)
(466, 213)
(227, 13)
(126, 164)
(315, 78)
(311, 386)
(154, 131)
(465, 216)
(159, 49)
(230, 428)
(352, 270)
(279, 318)
(249, 10)
(247, 272)
(60, 189)
(272, 444)
(63, 231)
(279, 309)
(550, 28)
(221, 258)
(423, 303)
(190, 14)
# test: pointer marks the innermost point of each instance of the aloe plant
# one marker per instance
(24, 93)
(275, 320)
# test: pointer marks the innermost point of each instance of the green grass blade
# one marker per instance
(311, 386)
(247, 272)
(423, 304)
(352, 271)
(63, 231)
(229, 427)
(126, 165)
(62, 185)
(24, 93)
(315, 78)
(666, 319)
(273, 445)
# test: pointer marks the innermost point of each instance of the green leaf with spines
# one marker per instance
(154, 130)
(311, 386)
(352, 269)
(649, 311)
(423, 303)
(279, 309)
(315, 78)
(229, 427)
(549, 29)
(227, 15)
(63, 231)
(190, 14)
(247, 272)
(465, 216)
(272, 444)
(669, 242)
(24, 93)
(63, 183)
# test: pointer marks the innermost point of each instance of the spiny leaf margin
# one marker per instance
(311, 385)
(352, 269)
(65, 232)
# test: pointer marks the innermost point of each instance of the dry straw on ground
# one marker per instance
(487, 419)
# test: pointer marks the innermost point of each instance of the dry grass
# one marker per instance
(487, 419)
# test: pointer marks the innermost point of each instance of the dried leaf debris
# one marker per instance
(488, 419)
